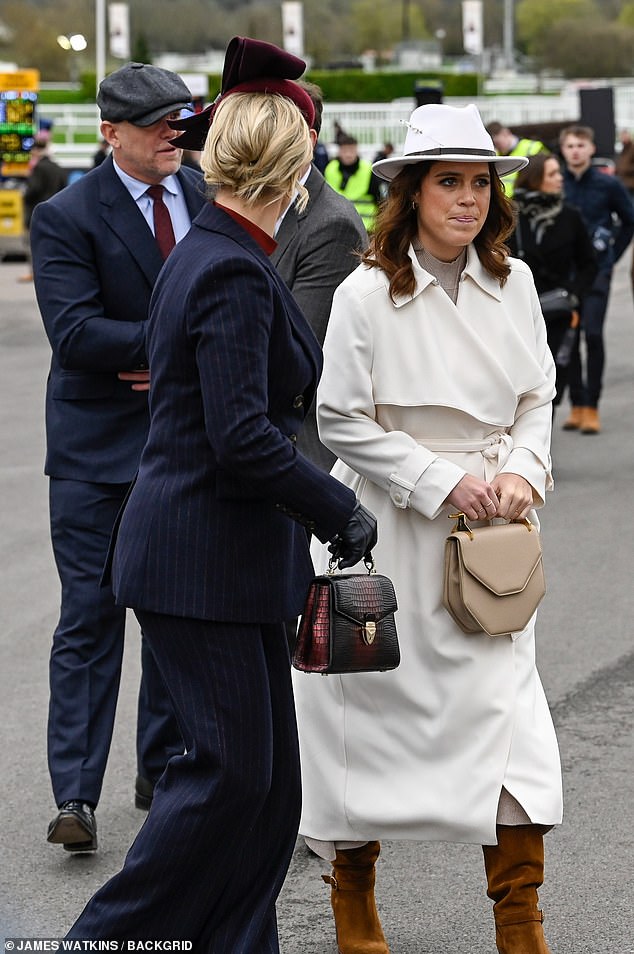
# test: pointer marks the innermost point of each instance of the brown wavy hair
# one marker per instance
(396, 226)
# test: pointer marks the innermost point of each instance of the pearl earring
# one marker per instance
(413, 206)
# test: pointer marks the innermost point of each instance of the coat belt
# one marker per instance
(495, 449)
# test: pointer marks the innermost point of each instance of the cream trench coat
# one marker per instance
(413, 397)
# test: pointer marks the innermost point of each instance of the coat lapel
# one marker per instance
(474, 269)
(290, 223)
(285, 234)
(121, 215)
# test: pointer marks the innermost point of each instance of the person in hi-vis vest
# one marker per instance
(352, 177)
(508, 144)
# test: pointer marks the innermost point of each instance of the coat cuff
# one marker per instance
(436, 484)
(403, 482)
(423, 482)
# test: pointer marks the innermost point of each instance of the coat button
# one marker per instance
(298, 401)
(292, 438)
(398, 498)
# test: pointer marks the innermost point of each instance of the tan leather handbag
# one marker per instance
(494, 576)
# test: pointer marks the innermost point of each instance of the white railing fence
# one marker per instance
(371, 124)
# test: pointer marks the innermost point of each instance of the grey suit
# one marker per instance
(315, 252)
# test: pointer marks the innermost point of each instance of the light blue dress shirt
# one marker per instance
(172, 197)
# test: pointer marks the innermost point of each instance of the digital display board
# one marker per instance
(18, 123)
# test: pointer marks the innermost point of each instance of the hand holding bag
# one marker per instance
(494, 576)
(348, 624)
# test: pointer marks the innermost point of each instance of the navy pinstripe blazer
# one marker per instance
(215, 525)
(95, 264)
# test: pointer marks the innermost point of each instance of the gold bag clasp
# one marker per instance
(369, 632)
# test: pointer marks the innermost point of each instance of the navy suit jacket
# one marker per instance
(215, 527)
(95, 264)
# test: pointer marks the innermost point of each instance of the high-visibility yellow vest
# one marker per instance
(524, 147)
(357, 188)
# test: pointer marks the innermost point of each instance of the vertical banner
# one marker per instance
(119, 30)
(293, 27)
(472, 28)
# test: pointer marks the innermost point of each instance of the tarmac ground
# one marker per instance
(431, 896)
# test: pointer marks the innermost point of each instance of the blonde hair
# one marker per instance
(257, 146)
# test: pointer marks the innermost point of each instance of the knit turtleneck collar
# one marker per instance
(447, 274)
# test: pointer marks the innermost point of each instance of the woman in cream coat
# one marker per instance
(436, 397)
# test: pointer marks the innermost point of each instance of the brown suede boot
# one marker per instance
(357, 922)
(515, 870)
(575, 419)
(590, 423)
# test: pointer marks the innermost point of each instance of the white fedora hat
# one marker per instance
(440, 133)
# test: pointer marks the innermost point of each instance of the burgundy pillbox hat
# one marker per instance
(251, 66)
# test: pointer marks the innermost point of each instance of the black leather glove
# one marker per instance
(356, 539)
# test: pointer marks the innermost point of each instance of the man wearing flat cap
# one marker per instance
(98, 247)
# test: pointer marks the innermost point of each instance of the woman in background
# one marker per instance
(551, 238)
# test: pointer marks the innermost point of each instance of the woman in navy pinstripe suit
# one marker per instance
(212, 549)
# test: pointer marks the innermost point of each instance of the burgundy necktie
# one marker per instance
(163, 231)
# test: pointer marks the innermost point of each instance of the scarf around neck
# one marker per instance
(539, 208)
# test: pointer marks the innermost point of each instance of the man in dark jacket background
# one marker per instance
(608, 213)
(46, 178)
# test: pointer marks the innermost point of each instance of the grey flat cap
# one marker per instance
(141, 94)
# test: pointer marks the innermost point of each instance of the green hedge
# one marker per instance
(61, 96)
(86, 93)
(339, 86)
(355, 86)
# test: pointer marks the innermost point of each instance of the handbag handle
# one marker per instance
(368, 561)
(461, 523)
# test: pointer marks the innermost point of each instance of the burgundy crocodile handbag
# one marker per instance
(348, 624)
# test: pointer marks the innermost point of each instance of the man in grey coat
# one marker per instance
(316, 250)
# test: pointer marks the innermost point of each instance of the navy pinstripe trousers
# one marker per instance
(211, 857)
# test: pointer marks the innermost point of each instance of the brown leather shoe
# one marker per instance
(575, 419)
(590, 423)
